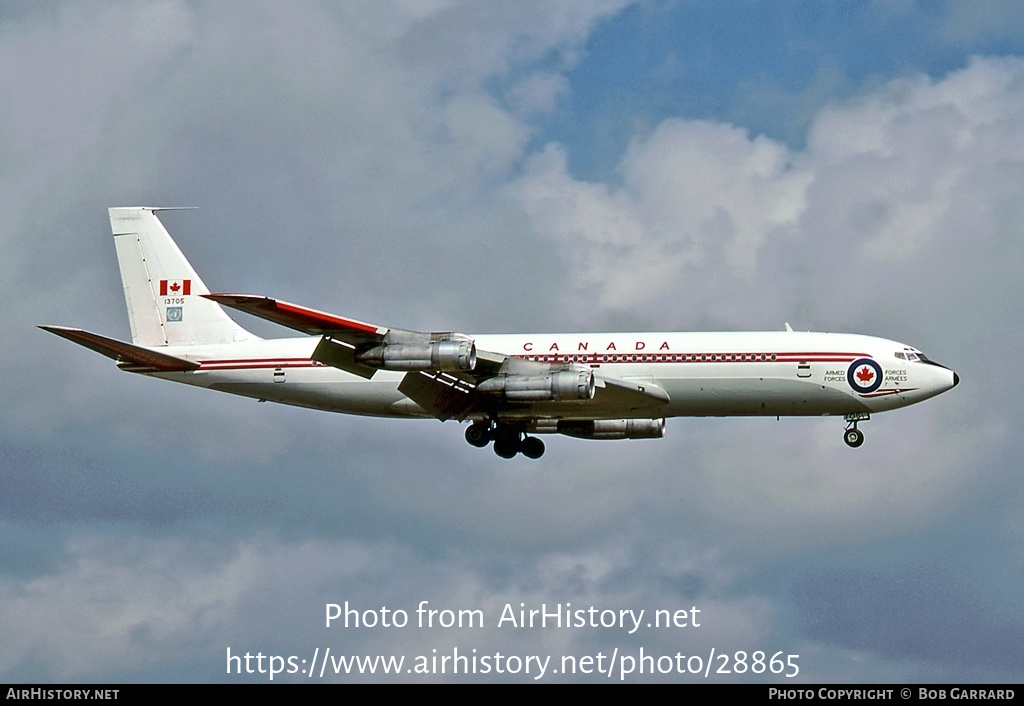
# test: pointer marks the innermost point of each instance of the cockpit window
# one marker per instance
(901, 355)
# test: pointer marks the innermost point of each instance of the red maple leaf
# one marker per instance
(865, 374)
(175, 287)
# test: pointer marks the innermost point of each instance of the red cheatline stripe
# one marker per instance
(834, 353)
(827, 356)
(326, 318)
(715, 357)
(244, 364)
(229, 363)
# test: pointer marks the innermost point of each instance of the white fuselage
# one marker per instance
(704, 374)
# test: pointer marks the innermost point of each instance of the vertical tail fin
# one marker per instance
(162, 289)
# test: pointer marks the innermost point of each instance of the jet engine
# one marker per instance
(561, 385)
(448, 355)
(603, 428)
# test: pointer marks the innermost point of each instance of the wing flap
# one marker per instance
(131, 358)
(340, 354)
(442, 394)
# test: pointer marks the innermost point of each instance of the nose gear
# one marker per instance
(853, 436)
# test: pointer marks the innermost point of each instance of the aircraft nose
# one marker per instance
(947, 378)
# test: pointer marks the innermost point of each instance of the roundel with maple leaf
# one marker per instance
(864, 375)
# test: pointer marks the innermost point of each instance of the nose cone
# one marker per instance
(934, 379)
(947, 380)
(943, 379)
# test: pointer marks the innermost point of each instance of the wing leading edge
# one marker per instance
(301, 318)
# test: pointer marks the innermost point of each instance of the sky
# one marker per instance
(514, 167)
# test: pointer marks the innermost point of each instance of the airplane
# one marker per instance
(509, 388)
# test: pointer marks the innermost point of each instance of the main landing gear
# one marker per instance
(508, 441)
(853, 436)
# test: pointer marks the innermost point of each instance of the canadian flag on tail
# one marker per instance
(175, 287)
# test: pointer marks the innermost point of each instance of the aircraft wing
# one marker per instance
(342, 337)
(445, 391)
(448, 395)
(302, 318)
(132, 358)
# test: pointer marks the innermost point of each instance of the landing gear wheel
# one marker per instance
(853, 438)
(478, 435)
(506, 446)
(532, 447)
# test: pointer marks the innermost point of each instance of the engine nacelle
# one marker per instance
(561, 385)
(447, 355)
(612, 428)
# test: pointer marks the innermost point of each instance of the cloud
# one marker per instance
(695, 197)
(997, 20)
(146, 606)
(722, 221)
(124, 606)
(537, 93)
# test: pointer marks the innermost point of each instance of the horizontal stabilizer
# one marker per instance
(131, 358)
(300, 318)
